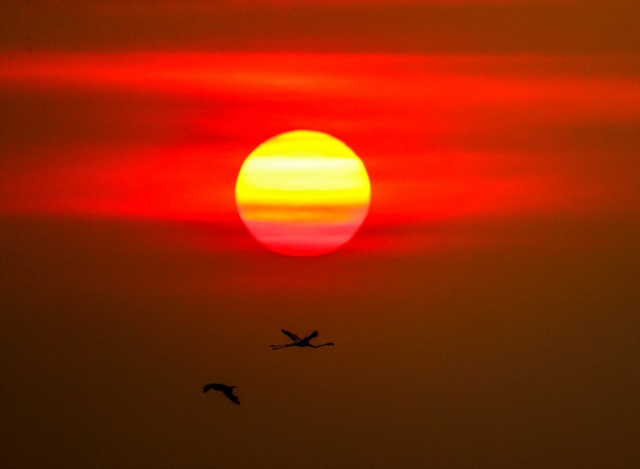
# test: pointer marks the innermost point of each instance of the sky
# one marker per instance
(485, 315)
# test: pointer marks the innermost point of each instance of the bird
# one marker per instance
(226, 390)
(298, 342)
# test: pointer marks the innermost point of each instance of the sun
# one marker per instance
(303, 193)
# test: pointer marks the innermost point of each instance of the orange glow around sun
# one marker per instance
(303, 193)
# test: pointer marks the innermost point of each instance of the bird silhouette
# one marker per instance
(226, 390)
(298, 342)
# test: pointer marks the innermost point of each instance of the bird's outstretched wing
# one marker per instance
(226, 390)
(213, 386)
(291, 335)
(313, 335)
(229, 393)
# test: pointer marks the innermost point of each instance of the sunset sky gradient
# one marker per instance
(484, 315)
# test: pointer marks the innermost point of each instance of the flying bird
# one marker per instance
(226, 390)
(298, 342)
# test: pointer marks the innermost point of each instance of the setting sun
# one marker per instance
(303, 193)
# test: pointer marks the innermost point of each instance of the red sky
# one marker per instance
(479, 139)
(484, 316)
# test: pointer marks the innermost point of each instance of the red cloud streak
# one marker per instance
(444, 138)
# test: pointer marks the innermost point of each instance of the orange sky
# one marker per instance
(485, 315)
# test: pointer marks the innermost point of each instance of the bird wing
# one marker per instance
(229, 393)
(291, 335)
(214, 386)
(313, 335)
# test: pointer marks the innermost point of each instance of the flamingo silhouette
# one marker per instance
(298, 342)
(226, 390)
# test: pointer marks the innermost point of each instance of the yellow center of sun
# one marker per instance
(303, 193)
